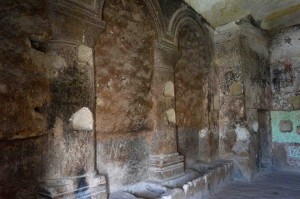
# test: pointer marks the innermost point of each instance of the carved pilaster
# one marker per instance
(165, 162)
(68, 169)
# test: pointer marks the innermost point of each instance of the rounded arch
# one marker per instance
(188, 17)
(192, 84)
(158, 18)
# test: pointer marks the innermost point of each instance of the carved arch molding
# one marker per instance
(169, 17)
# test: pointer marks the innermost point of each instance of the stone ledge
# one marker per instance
(90, 185)
(199, 183)
(166, 167)
(214, 177)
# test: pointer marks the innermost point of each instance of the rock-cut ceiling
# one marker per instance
(270, 14)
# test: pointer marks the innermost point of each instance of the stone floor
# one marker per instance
(274, 185)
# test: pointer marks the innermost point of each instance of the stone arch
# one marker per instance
(188, 17)
(158, 18)
(191, 39)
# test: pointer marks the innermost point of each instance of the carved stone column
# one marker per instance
(69, 153)
(165, 162)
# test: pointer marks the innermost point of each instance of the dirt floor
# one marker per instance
(274, 185)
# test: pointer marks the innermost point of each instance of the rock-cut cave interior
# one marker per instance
(153, 99)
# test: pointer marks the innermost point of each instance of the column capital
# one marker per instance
(165, 58)
(168, 47)
(78, 21)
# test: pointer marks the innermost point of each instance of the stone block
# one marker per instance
(203, 186)
(286, 126)
(295, 102)
(164, 167)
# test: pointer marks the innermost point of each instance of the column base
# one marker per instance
(89, 186)
(165, 167)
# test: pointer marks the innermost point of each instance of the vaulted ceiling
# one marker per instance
(270, 14)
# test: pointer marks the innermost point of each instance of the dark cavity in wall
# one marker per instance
(276, 80)
(265, 138)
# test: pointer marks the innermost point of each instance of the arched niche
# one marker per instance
(192, 88)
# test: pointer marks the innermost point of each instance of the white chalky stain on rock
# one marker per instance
(169, 90)
(3, 88)
(82, 120)
(185, 188)
(255, 126)
(203, 133)
(85, 55)
(242, 133)
(171, 116)
(100, 102)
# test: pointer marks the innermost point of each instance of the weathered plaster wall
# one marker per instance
(227, 61)
(124, 66)
(285, 137)
(24, 95)
(257, 94)
(242, 59)
(22, 78)
(285, 74)
(45, 79)
(286, 143)
(214, 100)
(20, 166)
(191, 86)
(285, 69)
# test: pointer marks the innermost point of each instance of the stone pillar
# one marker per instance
(165, 162)
(68, 169)
(242, 59)
(231, 99)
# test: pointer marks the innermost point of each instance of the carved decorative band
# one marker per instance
(64, 42)
(165, 69)
(168, 47)
(165, 160)
(168, 171)
(93, 6)
(80, 14)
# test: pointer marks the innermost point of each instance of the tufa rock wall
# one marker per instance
(285, 65)
(124, 66)
(242, 58)
(191, 86)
